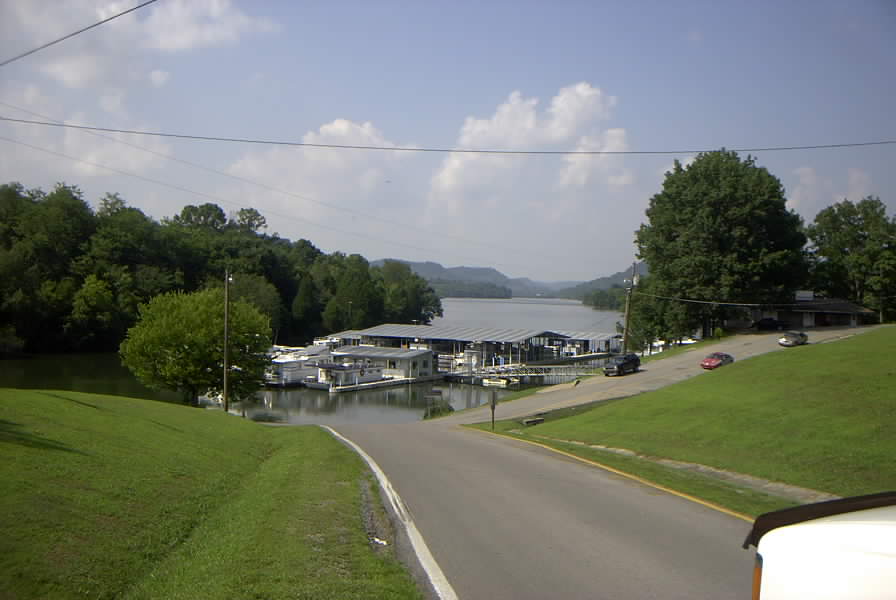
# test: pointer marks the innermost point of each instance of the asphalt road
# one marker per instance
(509, 520)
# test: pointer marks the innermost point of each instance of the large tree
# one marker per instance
(720, 231)
(178, 344)
(407, 296)
(854, 252)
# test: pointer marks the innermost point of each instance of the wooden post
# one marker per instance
(226, 333)
(628, 302)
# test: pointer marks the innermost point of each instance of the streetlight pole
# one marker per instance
(226, 332)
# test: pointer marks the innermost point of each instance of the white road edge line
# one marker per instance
(427, 561)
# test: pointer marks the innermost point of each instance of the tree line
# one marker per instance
(719, 234)
(73, 278)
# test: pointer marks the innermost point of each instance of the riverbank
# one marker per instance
(112, 497)
(814, 417)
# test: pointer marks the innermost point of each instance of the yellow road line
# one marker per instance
(641, 480)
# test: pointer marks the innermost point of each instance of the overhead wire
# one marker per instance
(74, 33)
(210, 138)
(258, 183)
(219, 199)
(743, 304)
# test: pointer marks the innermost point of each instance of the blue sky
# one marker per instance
(510, 75)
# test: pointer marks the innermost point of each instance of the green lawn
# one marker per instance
(818, 416)
(110, 497)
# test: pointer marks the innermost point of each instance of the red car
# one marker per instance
(716, 360)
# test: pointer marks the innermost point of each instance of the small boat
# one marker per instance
(495, 382)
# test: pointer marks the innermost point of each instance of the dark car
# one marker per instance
(793, 338)
(769, 324)
(622, 364)
(716, 360)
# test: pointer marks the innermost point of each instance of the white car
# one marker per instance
(793, 338)
(837, 550)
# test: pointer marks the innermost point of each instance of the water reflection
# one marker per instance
(399, 404)
(91, 373)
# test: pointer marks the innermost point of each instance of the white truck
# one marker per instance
(841, 549)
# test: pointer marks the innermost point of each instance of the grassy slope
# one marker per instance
(818, 416)
(107, 497)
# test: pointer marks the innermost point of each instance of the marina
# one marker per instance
(398, 354)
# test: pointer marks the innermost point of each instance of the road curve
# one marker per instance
(509, 520)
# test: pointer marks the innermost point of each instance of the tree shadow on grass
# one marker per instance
(15, 433)
(61, 397)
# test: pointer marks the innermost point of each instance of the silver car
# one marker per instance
(793, 338)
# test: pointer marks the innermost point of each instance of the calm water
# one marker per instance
(103, 373)
(527, 313)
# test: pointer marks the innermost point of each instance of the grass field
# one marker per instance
(818, 416)
(110, 497)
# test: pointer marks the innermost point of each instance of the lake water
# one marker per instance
(549, 314)
(103, 373)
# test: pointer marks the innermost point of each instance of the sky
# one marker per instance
(515, 75)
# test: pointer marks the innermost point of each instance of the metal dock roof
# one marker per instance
(377, 352)
(466, 334)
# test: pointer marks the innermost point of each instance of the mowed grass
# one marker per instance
(110, 497)
(819, 416)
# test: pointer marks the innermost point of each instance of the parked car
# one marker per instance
(769, 324)
(793, 338)
(835, 550)
(716, 360)
(622, 364)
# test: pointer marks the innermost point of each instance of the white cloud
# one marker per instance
(580, 168)
(30, 165)
(74, 71)
(158, 78)
(524, 201)
(349, 178)
(516, 125)
(184, 24)
(106, 152)
(110, 58)
(813, 192)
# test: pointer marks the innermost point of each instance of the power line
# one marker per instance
(744, 304)
(221, 200)
(73, 34)
(260, 184)
(209, 138)
(284, 192)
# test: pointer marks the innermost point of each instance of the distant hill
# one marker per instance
(486, 282)
(601, 283)
(441, 279)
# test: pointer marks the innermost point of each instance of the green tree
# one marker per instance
(207, 216)
(358, 301)
(257, 291)
(178, 344)
(854, 252)
(407, 296)
(720, 230)
(306, 309)
(37, 282)
(249, 219)
(611, 299)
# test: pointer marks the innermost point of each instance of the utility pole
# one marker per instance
(226, 332)
(628, 303)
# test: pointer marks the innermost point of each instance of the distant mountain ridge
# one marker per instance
(603, 283)
(519, 286)
(461, 281)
